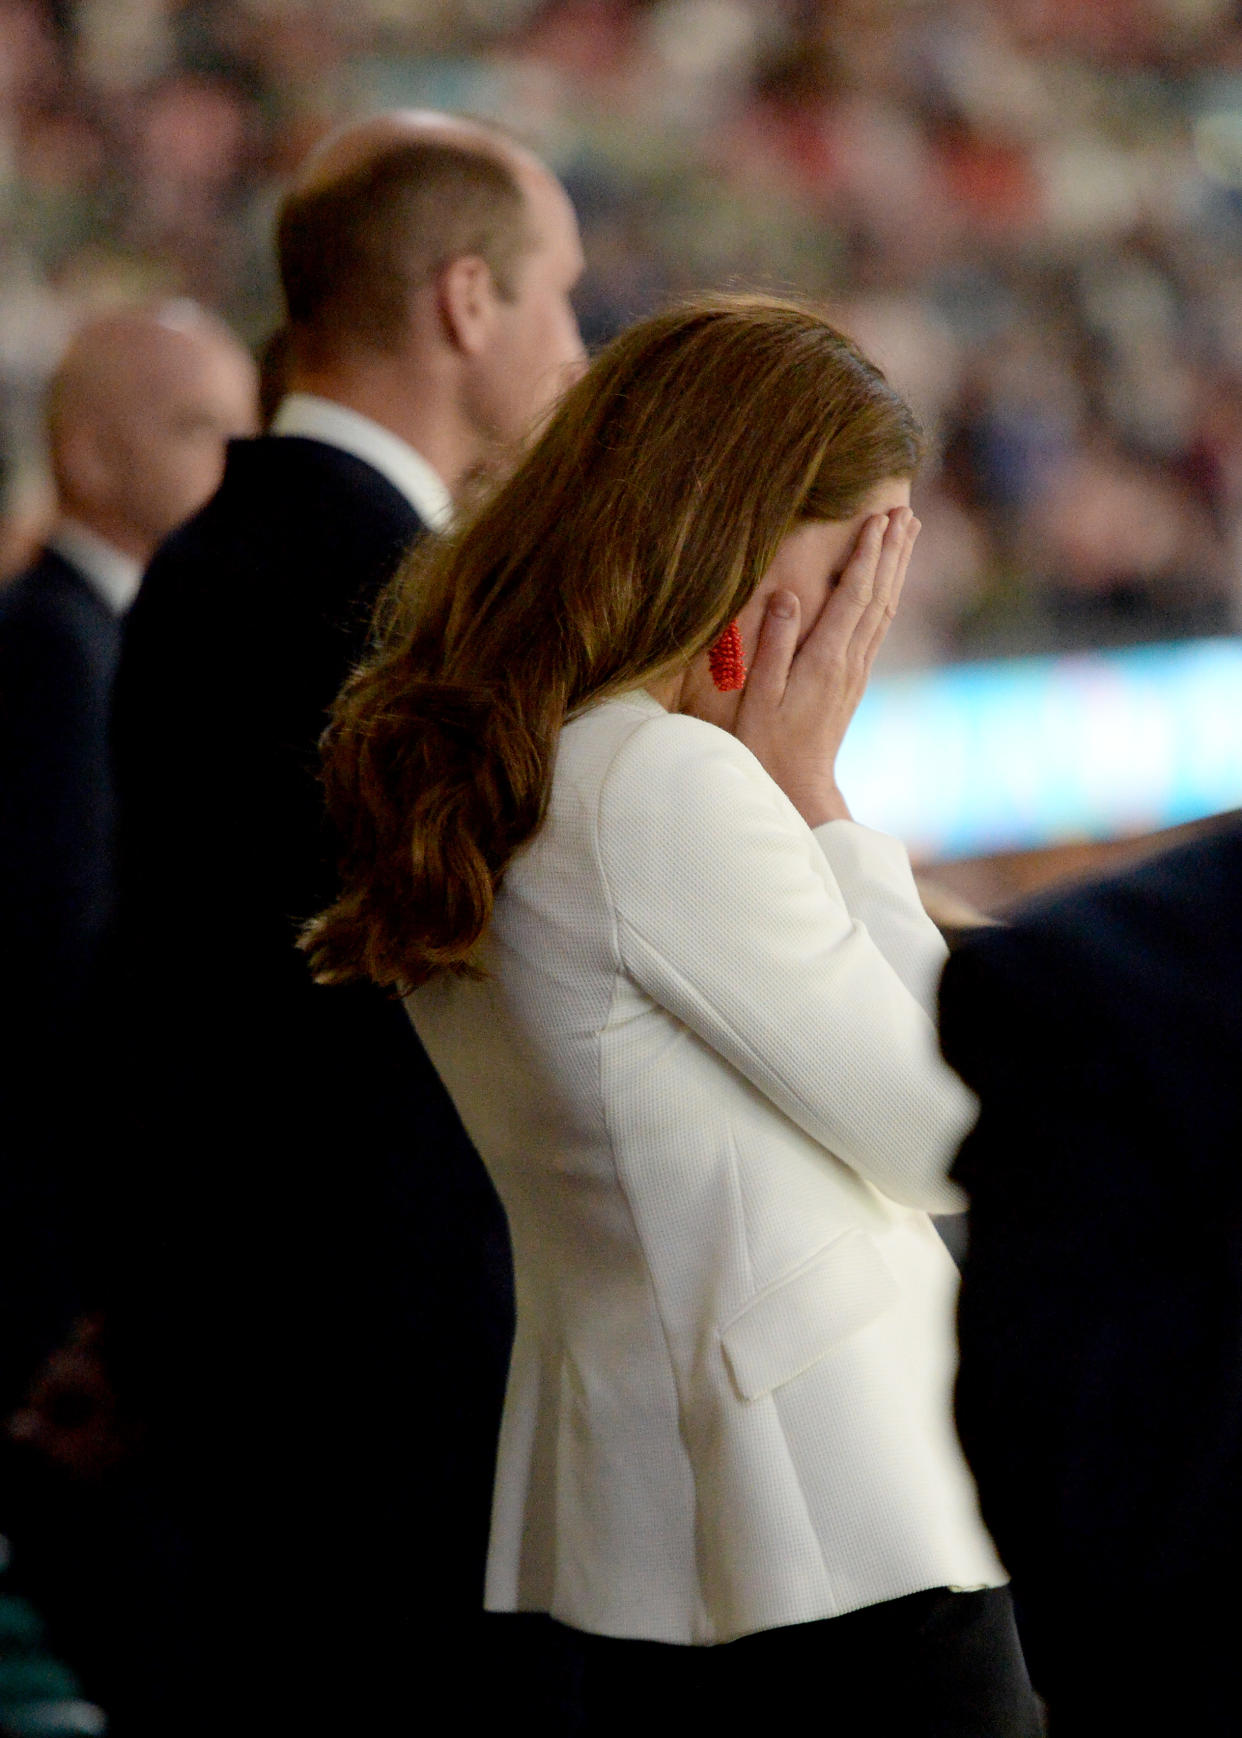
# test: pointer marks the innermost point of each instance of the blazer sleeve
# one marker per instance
(873, 873)
(729, 915)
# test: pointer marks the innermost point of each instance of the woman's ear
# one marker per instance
(466, 300)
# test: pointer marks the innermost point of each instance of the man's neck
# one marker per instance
(109, 528)
(337, 425)
(426, 419)
(113, 571)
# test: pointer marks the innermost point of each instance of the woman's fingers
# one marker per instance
(856, 615)
(839, 621)
(798, 701)
(894, 562)
(774, 654)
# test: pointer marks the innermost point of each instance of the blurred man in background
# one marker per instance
(1100, 1393)
(311, 1307)
(138, 414)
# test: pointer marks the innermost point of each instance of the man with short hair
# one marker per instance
(427, 267)
(314, 1310)
(138, 413)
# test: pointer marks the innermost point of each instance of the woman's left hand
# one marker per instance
(799, 700)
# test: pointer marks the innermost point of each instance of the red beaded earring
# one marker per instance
(726, 660)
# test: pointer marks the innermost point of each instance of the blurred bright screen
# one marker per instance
(1022, 752)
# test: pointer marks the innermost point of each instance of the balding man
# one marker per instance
(138, 413)
(316, 1311)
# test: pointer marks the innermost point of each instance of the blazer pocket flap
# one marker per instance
(793, 1324)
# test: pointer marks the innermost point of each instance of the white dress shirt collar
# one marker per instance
(321, 419)
(110, 573)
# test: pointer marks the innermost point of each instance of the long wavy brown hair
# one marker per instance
(633, 531)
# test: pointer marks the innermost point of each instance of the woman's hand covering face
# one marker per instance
(808, 672)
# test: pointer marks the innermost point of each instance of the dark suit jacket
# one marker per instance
(1100, 1394)
(58, 649)
(313, 1305)
(59, 643)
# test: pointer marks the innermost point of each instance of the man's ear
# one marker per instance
(466, 299)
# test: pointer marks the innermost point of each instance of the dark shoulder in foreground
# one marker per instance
(1189, 885)
(1116, 997)
(1181, 904)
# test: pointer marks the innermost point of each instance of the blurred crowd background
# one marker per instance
(1029, 210)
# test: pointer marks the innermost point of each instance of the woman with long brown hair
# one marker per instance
(684, 1006)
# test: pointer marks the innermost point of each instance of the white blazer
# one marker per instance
(702, 1070)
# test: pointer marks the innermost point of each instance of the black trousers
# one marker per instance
(931, 1665)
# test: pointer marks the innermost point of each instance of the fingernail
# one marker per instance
(782, 603)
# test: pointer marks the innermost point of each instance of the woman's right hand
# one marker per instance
(798, 700)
